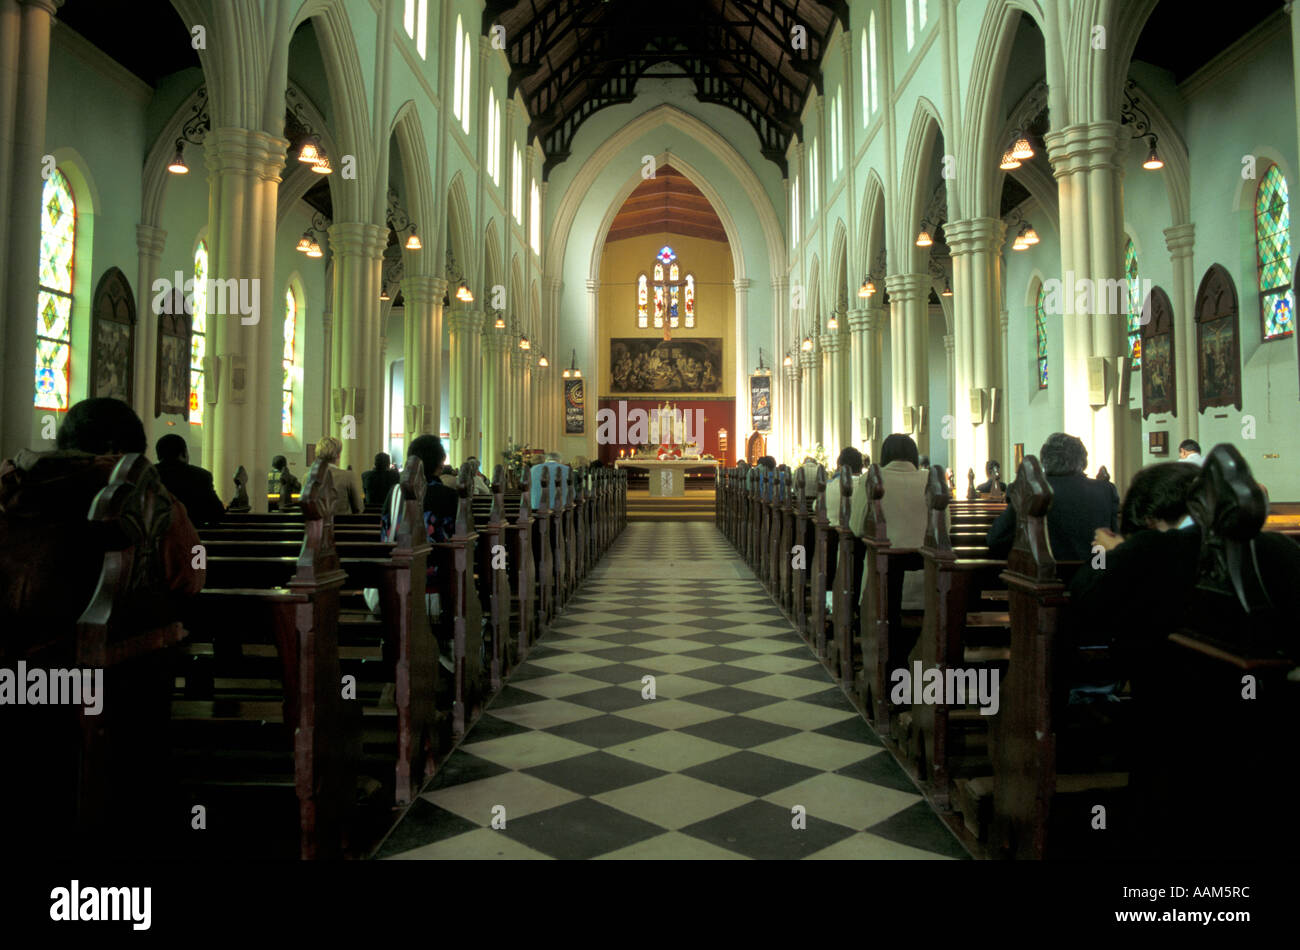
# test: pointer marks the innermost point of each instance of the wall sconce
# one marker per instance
(543, 362)
(1020, 149)
(463, 294)
(1009, 161)
(868, 289)
(308, 244)
(806, 346)
(923, 239)
(573, 372)
(832, 322)
(524, 344)
(1153, 161)
(788, 361)
(500, 322)
(177, 165)
(947, 288)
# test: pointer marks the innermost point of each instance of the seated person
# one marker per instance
(379, 481)
(993, 469)
(1080, 505)
(557, 473)
(904, 509)
(49, 561)
(188, 484)
(481, 485)
(767, 462)
(851, 459)
(1189, 450)
(282, 483)
(347, 490)
(810, 466)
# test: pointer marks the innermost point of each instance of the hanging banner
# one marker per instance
(575, 412)
(760, 401)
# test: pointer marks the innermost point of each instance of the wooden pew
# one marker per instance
(957, 633)
(460, 599)
(302, 616)
(786, 534)
(844, 595)
(543, 553)
(799, 568)
(821, 553)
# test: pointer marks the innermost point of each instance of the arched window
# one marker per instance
(416, 21)
(871, 51)
(465, 84)
(461, 78)
(813, 178)
(911, 24)
(1273, 252)
(866, 77)
(1134, 303)
(54, 297)
(198, 331)
(673, 293)
(835, 138)
(286, 357)
(494, 137)
(517, 186)
(794, 212)
(458, 76)
(1040, 328)
(535, 218)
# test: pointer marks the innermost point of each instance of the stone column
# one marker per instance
(809, 398)
(909, 332)
(743, 421)
(949, 340)
(359, 403)
(540, 404)
(834, 435)
(865, 326)
(24, 91)
(149, 242)
(1180, 240)
(243, 180)
(976, 246)
(422, 352)
(521, 367)
(1089, 180)
(496, 361)
(465, 326)
(780, 411)
(793, 412)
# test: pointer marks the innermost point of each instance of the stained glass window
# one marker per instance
(290, 329)
(672, 301)
(198, 337)
(1273, 250)
(54, 297)
(1040, 326)
(1134, 303)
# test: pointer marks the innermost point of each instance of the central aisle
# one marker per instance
(745, 725)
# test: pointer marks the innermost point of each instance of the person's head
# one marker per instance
(899, 447)
(329, 449)
(923, 461)
(1063, 454)
(767, 462)
(172, 448)
(279, 463)
(552, 456)
(383, 462)
(1157, 497)
(428, 449)
(851, 459)
(102, 426)
(1188, 447)
(992, 468)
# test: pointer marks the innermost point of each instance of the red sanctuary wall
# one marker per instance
(718, 414)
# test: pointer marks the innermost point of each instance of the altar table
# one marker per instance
(667, 476)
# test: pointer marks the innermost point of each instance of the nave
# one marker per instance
(745, 725)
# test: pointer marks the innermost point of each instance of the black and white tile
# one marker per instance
(744, 726)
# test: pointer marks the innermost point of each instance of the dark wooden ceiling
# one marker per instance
(667, 202)
(571, 58)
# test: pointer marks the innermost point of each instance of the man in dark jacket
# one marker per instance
(379, 481)
(1080, 505)
(189, 484)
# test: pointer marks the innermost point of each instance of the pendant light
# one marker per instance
(923, 239)
(177, 165)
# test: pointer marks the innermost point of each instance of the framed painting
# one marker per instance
(172, 369)
(1218, 341)
(112, 334)
(648, 365)
(1159, 367)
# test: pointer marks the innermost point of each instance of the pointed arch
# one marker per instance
(459, 229)
(926, 129)
(417, 192)
(871, 228)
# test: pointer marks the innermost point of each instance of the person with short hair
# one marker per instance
(377, 482)
(993, 469)
(190, 485)
(282, 483)
(347, 488)
(1189, 450)
(1080, 505)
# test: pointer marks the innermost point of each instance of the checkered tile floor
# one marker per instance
(744, 726)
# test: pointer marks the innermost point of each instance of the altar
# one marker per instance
(668, 476)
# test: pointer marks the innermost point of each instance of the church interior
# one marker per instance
(934, 501)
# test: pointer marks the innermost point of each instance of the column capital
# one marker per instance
(421, 289)
(1180, 239)
(780, 284)
(948, 341)
(742, 285)
(808, 358)
(245, 151)
(150, 240)
(866, 319)
(356, 238)
(1083, 147)
(496, 341)
(905, 287)
(593, 285)
(465, 321)
(49, 6)
(552, 284)
(792, 371)
(975, 234)
(518, 360)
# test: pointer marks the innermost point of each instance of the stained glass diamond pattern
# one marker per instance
(1273, 250)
